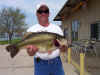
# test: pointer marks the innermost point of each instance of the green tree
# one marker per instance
(12, 21)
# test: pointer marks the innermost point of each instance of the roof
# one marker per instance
(69, 6)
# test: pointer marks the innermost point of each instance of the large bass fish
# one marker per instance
(43, 40)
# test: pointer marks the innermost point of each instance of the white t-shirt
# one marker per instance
(50, 28)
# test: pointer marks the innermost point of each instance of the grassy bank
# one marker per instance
(6, 41)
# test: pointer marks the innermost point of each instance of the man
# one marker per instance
(48, 63)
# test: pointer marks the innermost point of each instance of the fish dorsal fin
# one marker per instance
(31, 34)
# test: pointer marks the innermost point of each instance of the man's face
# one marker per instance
(43, 13)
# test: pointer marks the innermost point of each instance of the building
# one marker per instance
(81, 19)
(4, 36)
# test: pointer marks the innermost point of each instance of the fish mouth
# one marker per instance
(13, 50)
(56, 43)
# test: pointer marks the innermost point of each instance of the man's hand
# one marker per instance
(63, 48)
(31, 50)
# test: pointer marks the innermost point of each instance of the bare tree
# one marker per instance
(12, 21)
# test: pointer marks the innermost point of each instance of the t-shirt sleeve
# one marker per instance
(28, 30)
(32, 29)
(59, 31)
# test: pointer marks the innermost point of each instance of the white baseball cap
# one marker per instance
(41, 4)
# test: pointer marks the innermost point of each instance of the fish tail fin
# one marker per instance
(13, 50)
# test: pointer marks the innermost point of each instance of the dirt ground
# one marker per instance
(92, 63)
(23, 64)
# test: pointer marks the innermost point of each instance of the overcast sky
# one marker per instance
(28, 7)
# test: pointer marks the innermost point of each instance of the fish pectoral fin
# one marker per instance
(26, 34)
